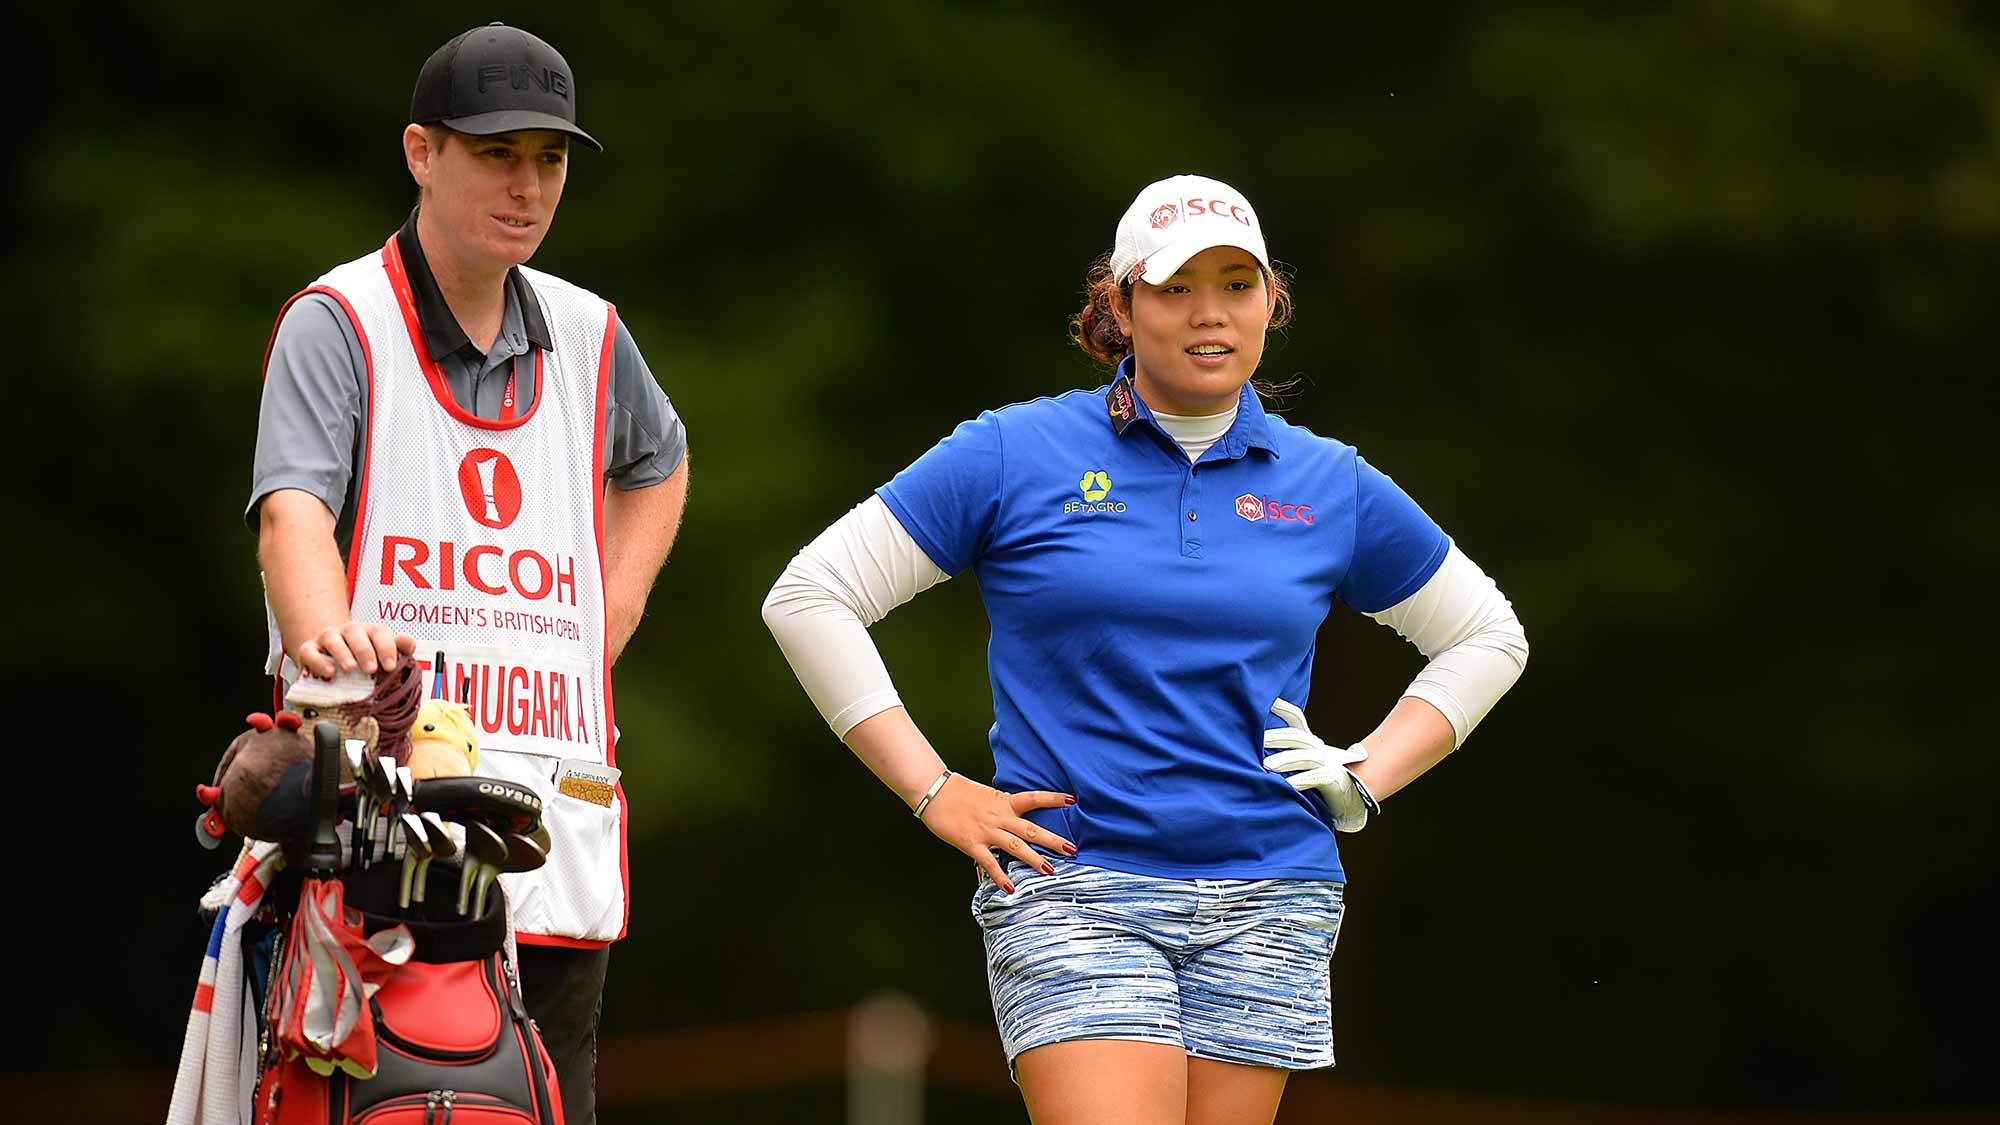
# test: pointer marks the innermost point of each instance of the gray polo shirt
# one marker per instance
(313, 423)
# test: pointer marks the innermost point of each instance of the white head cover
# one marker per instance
(1177, 218)
(345, 687)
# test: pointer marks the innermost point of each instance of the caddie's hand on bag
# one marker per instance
(976, 819)
(1310, 763)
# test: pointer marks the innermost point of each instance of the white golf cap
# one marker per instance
(1177, 218)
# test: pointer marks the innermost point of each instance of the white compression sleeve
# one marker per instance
(849, 578)
(1467, 627)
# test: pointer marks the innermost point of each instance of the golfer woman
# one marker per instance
(1161, 889)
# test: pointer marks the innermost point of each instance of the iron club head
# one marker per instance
(416, 852)
(484, 850)
(438, 844)
(442, 843)
(523, 854)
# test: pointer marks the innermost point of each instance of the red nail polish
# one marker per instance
(1048, 868)
(1069, 800)
(1070, 849)
(1008, 887)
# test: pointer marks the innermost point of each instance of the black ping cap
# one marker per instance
(498, 79)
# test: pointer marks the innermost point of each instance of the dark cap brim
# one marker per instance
(514, 121)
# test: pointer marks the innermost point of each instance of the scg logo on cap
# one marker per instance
(1220, 208)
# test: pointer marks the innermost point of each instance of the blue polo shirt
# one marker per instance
(1146, 612)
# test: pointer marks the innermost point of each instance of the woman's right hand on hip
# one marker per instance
(976, 819)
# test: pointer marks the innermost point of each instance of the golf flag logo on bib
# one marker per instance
(490, 486)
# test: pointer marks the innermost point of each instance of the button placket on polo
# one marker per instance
(1190, 513)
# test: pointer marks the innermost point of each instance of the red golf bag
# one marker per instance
(454, 1045)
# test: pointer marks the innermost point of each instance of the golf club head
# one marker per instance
(442, 843)
(438, 843)
(413, 860)
(415, 839)
(523, 854)
(485, 851)
(485, 845)
(540, 835)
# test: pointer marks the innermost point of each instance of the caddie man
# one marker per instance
(459, 454)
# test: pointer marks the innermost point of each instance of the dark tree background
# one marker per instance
(1673, 317)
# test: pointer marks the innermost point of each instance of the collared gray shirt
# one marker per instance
(313, 424)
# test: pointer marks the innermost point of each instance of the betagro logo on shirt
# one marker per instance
(1095, 486)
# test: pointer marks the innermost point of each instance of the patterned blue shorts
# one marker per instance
(1230, 969)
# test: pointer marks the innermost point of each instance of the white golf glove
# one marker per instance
(1312, 764)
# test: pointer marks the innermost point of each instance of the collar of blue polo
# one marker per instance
(1252, 429)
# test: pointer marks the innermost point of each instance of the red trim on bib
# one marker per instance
(562, 942)
(399, 282)
(361, 495)
(604, 585)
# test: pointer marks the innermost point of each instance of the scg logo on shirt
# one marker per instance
(1255, 508)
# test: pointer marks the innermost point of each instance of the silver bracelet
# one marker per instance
(925, 802)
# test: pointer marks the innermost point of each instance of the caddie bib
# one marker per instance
(484, 540)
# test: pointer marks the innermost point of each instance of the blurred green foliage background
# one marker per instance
(1672, 316)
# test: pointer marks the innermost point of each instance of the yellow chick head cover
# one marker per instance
(444, 733)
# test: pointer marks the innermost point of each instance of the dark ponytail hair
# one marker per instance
(1095, 329)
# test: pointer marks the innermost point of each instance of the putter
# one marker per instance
(502, 805)
(485, 852)
(438, 844)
